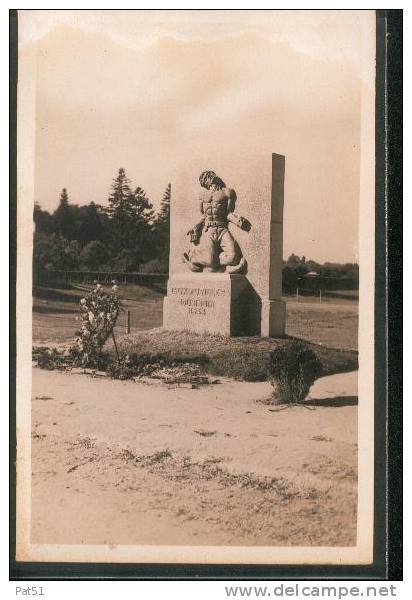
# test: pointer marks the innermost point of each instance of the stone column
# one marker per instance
(273, 308)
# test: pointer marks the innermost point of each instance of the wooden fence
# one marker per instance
(328, 286)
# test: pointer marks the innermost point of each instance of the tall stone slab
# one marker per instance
(273, 308)
(231, 304)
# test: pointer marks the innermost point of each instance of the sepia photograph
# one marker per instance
(195, 286)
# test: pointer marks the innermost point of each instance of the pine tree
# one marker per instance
(162, 229)
(121, 192)
(164, 213)
(119, 211)
(64, 197)
(63, 217)
(142, 208)
(141, 242)
(131, 222)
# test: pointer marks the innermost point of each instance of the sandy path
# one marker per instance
(125, 463)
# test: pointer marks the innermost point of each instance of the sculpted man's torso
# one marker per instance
(213, 248)
(215, 205)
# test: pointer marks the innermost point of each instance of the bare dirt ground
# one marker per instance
(126, 463)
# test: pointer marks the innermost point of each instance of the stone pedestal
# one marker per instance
(208, 302)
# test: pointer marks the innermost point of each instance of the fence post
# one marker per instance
(297, 294)
(128, 322)
(320, 296)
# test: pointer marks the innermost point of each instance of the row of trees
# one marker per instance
(128, 235)
(308, 274)
(301, 267)
(122, 236)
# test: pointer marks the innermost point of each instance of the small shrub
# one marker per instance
(159, 366)
(122, 368)
(292, 370)
(98, 315)
(51, 358)
(155, 266)
(128, 366)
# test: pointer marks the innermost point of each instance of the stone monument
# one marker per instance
(226, 270)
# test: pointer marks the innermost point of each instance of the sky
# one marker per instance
(151, 90)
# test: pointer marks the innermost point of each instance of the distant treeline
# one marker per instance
(128, 236)
(311, 276)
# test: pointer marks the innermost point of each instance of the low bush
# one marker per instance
(98, 315)
(51, 358)
(292, 370)
(66, 359)
(162, 366)
(155, 266)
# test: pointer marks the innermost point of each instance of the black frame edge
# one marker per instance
(388, 545)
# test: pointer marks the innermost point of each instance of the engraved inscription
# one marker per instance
(198, 301)
(187, 291)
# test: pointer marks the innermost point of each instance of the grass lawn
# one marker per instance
(333, 323)
(55, 311)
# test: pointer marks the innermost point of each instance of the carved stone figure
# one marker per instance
(213, 248)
